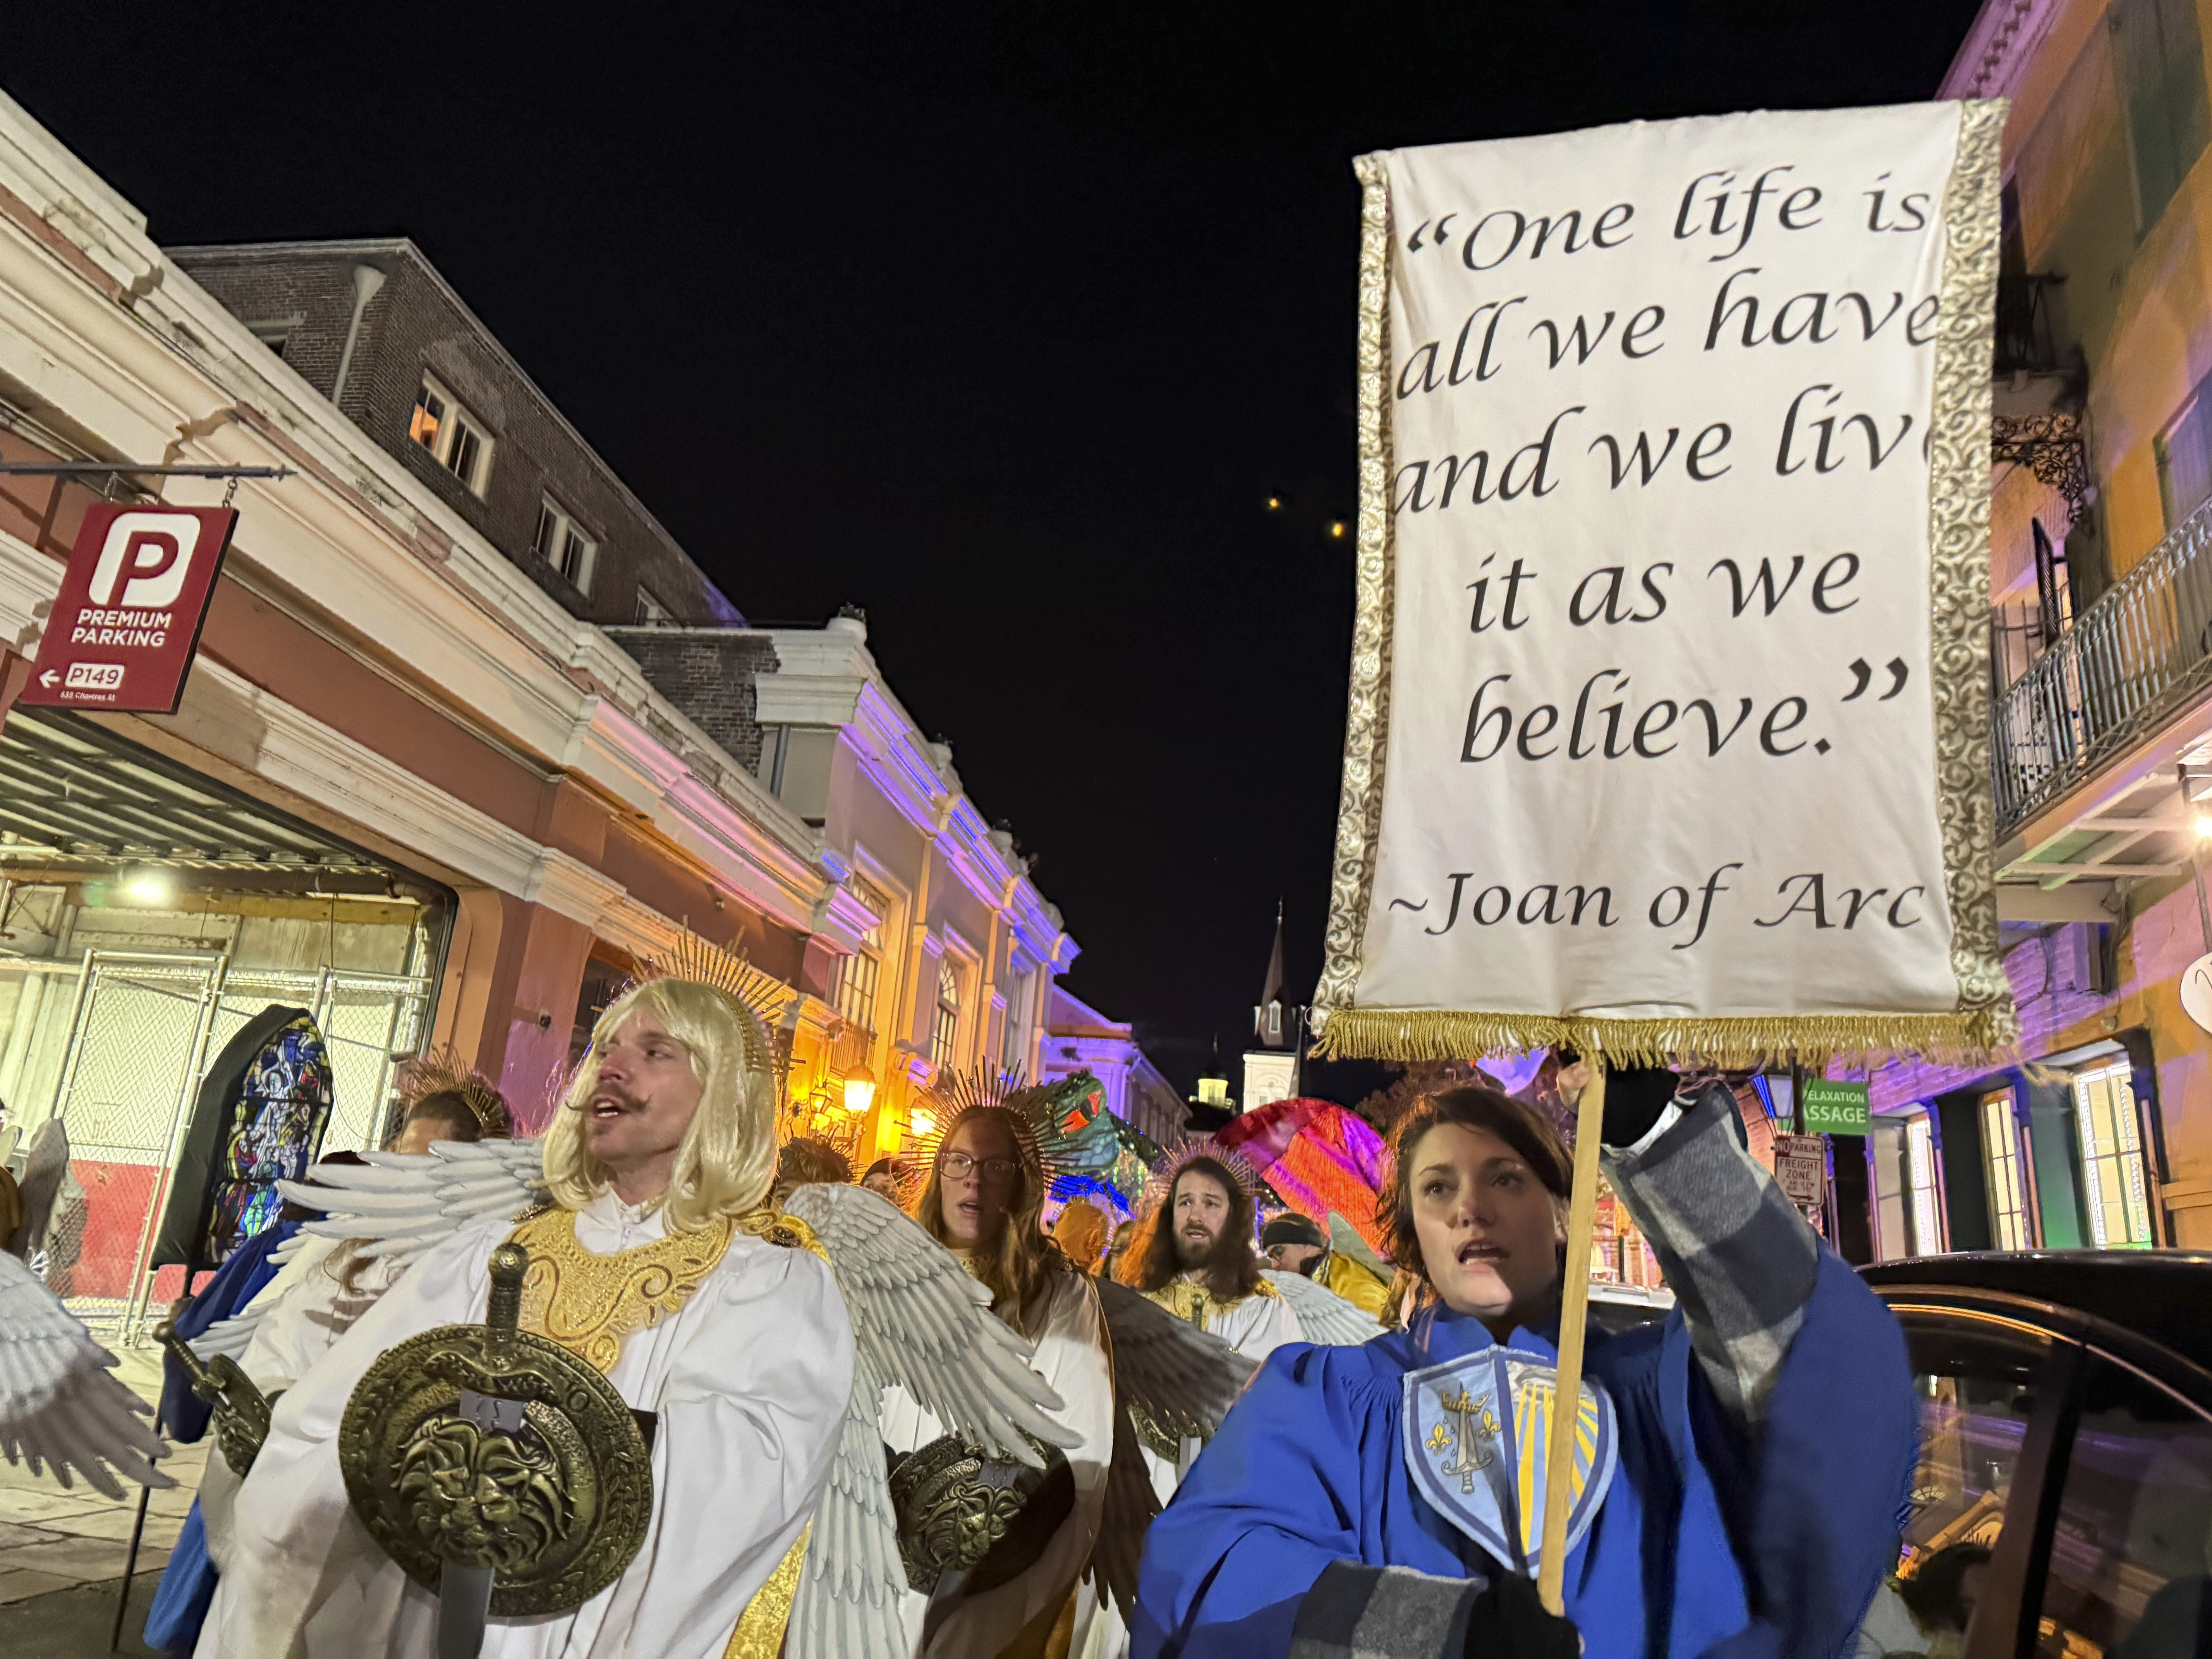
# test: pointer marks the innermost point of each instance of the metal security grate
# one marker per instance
(144, 1028)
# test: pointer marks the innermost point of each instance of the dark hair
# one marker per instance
(450, 1108)
(804, 1162)
(1935, 1594)
(1231, 1270)
(1533, 1137)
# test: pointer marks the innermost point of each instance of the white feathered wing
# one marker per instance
(920, 1321)
(403, 1203)
(59, 1406)
(1323, 1317)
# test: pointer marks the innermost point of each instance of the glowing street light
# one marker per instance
(859, 1090)
(146, 885)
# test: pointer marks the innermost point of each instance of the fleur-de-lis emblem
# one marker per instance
(1477, 1423)
(1440, 1438)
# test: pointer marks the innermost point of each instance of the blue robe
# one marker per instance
(1709, 1540)
(187, 1587)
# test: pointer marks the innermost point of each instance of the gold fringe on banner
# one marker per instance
(1967, 1036)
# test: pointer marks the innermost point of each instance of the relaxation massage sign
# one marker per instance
(1668, 707)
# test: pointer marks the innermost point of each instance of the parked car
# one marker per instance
(2066, 1430)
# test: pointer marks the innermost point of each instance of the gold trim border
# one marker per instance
(1959, 568)
(1367, 716)
(1738, 1043)
(1984, 1021)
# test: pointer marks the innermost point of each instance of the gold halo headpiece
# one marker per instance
(760, 998)
(441, 1071)
(1179, 1157)
(1040, 1140)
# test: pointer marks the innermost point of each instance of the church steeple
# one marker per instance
(1268, 1024)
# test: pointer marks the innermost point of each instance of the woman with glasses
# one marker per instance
(983, 1200)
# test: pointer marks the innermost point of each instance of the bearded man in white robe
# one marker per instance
(1195, 1258)
(655, 1263)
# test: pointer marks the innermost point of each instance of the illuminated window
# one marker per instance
(1920, 1184)
(1014, 1047)
(2111, 1158)
(455, 438)
(565, 544)
(856, 976)
(2007, 1192)
(946, 1033)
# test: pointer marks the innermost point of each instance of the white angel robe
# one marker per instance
(1255, 1327)
(749, 1379)
(297, 1317)
(1071, 1357)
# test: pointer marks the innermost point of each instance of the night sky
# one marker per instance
(1002, 323)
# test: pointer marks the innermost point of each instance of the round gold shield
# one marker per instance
(552, 1492)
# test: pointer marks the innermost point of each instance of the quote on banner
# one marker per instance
(1668, 721)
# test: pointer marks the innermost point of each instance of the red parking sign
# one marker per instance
(127, 621)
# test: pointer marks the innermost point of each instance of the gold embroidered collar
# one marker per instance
(588, 1304)
(1194, 1302)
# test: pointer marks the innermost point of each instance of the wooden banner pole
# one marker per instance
(1574, 1319)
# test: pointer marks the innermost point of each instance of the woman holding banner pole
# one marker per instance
(1737, 1472)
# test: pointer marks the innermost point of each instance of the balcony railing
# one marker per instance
(2131, 661)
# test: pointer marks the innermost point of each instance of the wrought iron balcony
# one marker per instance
(2134, 659)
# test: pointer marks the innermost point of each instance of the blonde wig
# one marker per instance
(727, 1161)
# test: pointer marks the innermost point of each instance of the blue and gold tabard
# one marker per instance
(1476, 1430)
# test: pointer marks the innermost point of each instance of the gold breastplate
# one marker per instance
(588, 1304)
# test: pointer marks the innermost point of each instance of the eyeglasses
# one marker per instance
(959, 1166)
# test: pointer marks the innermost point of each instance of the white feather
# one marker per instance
(920, 1321)
(403, 1203)
(58, 1406)
(1323, 1317)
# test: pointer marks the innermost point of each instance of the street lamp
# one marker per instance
(146, 884)
(859, 1090)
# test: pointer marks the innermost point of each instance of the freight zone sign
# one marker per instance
(126, 624)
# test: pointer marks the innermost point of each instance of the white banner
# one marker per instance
(1669, 701)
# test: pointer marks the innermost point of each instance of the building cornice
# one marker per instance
(1993, 59)
(355, 547)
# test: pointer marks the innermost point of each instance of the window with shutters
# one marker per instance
(2113, 1185)
(2009, 1223)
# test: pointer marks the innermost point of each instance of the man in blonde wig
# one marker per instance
(656, 1263)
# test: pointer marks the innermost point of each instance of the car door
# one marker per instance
(1992, 1388)
(2061, 1504)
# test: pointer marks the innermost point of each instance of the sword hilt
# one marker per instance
(503, 1309)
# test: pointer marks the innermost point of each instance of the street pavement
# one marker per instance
(62, 1549)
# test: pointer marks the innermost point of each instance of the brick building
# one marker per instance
(415, 786)
(376, 329)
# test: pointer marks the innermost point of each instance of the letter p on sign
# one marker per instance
(150, 554)
(155, 565)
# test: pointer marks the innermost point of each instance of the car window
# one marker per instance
(1976, 1381)
(2132, 1551)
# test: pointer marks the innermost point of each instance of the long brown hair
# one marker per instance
(1533, 1137)
(1232, 1269)
(1025, 1258)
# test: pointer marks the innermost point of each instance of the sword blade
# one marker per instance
(463, 1604)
